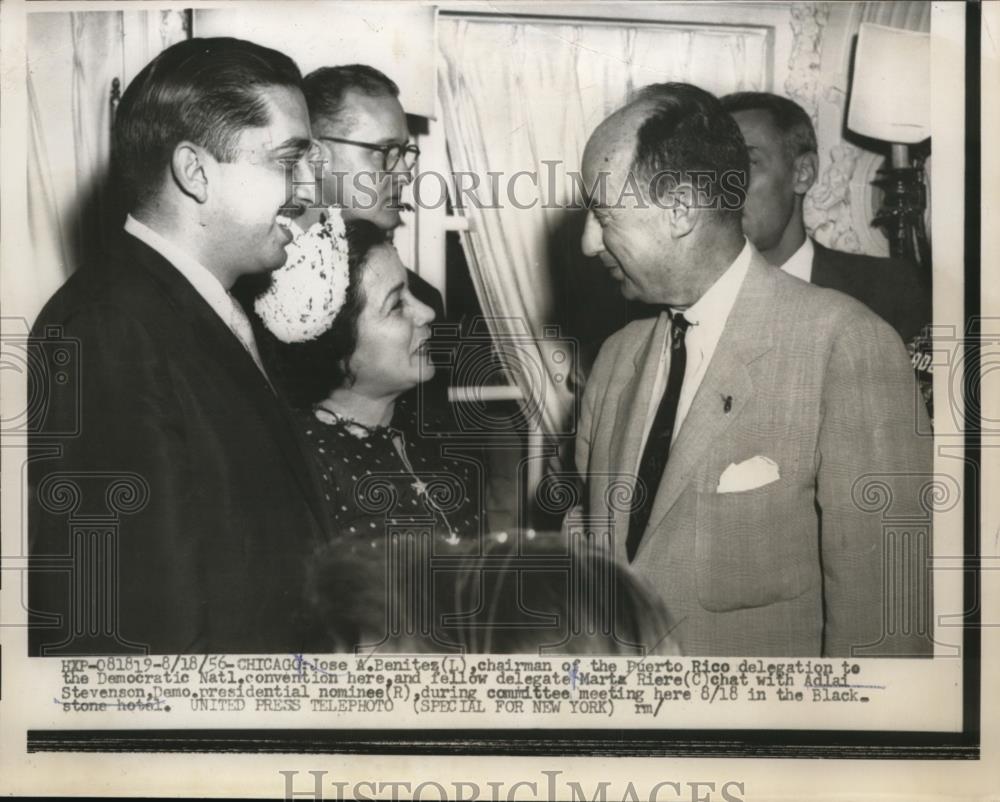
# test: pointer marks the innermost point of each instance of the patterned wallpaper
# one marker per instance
(841, 204)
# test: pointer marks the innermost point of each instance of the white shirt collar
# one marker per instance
(710, 312)
(800, 263)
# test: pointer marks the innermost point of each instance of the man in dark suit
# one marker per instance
(783, 166)
(747, 420)
(172, 507)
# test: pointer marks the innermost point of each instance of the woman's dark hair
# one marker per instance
(307, 372)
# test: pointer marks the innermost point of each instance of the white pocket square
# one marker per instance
(748, 475)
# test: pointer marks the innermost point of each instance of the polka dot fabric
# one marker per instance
(369, 483)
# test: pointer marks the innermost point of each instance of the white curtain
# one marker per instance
(70, 67)
(72, 60)
(518, 94)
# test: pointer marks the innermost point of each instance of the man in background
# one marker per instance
(364, 141)
(172, 508)
(747, 416)
(783, 166)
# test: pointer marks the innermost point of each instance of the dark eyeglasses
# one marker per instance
(391, 154)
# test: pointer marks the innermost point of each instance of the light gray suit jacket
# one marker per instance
(823, 387)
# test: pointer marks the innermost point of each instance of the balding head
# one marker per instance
(665, 174)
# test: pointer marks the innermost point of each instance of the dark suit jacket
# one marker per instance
(889, 287)
(165, 475)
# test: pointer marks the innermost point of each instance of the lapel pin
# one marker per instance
(727, 404)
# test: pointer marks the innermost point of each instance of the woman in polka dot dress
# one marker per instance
(351, 357)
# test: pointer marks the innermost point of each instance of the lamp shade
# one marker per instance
(396, 38)
(890, 91)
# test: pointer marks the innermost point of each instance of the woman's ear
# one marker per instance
(191, 167)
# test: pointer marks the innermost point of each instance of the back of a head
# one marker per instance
(788, 117)
(205, 91)
(326, 88)
(686, 136)
(485, 596)
(595, 604)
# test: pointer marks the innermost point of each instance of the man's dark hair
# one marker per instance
(326, 88)
(687, 132)
(205, 91)
(308, 371)
(788, 117)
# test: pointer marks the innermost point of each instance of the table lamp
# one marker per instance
(890, 101)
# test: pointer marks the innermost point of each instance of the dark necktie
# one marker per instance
(654, 456)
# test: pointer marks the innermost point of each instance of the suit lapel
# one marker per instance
(746, 336)
(633, 405)
(222, 346)
(634, 400)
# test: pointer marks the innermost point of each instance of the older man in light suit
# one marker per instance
(748, 415)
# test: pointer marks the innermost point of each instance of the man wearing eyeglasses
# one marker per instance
(364, 141)
(368, 160)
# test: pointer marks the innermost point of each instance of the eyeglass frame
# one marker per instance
(383, 149)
